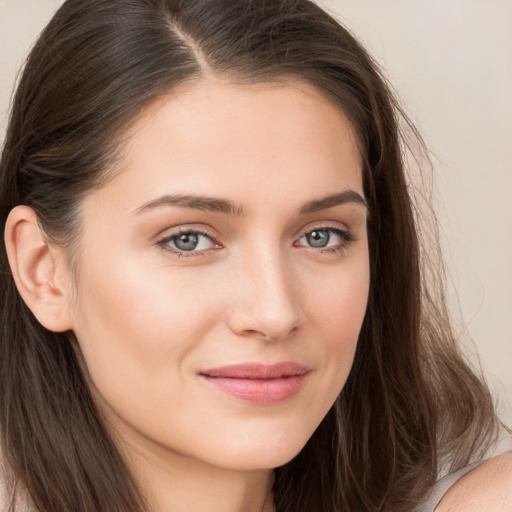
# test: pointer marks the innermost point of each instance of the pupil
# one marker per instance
(318, 238)
(187, 241)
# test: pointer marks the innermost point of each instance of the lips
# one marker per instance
(258, 383)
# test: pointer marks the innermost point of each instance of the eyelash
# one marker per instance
(346, 239)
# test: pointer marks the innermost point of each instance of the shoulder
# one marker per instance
(488, 487)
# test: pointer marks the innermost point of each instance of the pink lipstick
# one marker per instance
(258, 383)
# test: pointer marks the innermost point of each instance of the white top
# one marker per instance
(442, 487)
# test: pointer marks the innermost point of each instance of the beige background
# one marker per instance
(451, 61)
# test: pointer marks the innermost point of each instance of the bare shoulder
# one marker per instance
(488, 487)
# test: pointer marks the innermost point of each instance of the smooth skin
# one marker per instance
(487, 488)
(272, 267)
(233, 231)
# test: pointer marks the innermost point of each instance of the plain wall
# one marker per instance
(451, 61)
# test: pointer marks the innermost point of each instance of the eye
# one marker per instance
(190, 241)
(326, 238)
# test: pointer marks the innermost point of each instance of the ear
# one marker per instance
(39, 270)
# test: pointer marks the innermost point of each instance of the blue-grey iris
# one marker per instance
(186, 241)
(318, 238)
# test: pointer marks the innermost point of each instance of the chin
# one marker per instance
(262, 454)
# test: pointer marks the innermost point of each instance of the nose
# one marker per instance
(266, 303)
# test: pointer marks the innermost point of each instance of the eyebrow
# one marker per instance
(203, 203)
(347, 196)
(217, 205)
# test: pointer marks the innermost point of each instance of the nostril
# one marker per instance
(270, 334)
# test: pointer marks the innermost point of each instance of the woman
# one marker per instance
(211, 273)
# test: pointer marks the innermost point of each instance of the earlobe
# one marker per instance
(37, 268)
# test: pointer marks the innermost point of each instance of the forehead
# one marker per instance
(220, 138)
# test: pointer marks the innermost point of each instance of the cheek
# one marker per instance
(135, 327)
(335, 310)
(338, 305)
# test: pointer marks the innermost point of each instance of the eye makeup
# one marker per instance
(188, 242)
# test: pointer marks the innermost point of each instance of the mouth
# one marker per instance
(258, 383)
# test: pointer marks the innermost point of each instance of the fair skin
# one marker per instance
(488, 487)
(272, 269)
(263, 272)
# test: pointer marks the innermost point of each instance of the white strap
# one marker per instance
(442, 486)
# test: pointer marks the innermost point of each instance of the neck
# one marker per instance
(173, 482)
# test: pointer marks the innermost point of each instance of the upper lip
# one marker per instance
(257, 371)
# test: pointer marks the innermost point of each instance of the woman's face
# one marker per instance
(223, 274)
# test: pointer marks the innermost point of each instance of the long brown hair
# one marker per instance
(410, 404)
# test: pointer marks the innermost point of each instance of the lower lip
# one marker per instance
(258, 391)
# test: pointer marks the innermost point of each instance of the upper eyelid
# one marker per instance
(325, 228)
(215, 236)
(332, 225)
(178, 230)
